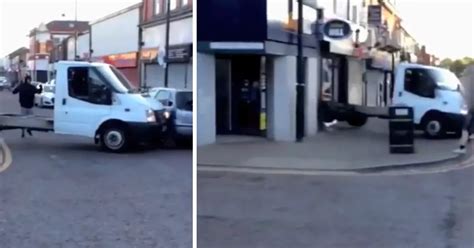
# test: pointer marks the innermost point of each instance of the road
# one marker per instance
(62, 191)
(391, 211)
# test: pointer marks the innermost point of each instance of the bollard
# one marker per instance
(402, 130)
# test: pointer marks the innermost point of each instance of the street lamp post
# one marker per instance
(167, 42)
(300, 85)
(75, 30)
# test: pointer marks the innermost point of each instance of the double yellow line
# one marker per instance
(5, 156)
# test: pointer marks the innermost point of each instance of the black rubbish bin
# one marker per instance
(402, 130)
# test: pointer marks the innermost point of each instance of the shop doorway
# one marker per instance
(240, 93)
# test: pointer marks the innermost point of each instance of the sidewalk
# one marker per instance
(343, 148)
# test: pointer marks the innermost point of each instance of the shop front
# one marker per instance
(179, 67)
(127, 64)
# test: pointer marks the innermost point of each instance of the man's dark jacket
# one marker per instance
(27, 94)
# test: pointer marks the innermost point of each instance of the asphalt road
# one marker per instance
(62, 191)
(390, 211)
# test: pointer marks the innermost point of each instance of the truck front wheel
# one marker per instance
(433, 127)
(115, 139)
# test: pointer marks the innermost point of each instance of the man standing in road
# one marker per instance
(27, 93)
(468, 129)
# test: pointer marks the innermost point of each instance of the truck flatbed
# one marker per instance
(32, 122)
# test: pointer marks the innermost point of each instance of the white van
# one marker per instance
(434, 93)
(95, 100)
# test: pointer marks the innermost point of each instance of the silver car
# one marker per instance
(179, 110)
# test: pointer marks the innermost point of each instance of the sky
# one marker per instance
(18, 17)
(446, 27)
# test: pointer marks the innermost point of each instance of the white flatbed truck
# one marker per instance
(95, 100)
(435, 94)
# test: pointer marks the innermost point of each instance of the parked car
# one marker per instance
(178, 105)
(45, 98)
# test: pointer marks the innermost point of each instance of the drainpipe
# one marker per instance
(167, 45)
(300, 86)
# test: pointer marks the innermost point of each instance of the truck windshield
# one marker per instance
(445, 79)
(116, 78)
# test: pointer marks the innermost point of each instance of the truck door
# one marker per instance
(85, 102)
(418, 91)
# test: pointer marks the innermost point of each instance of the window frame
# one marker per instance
(88, 98)
(415, 89)
(169, 99)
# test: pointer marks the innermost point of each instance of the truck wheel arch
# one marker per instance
(108, 123)
(433, 115)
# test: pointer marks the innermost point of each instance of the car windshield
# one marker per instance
(184, 101)
(445, 79)
(117, 79)
(48, 89)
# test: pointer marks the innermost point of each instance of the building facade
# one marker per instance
(44, 41)
(153, 43)
(114, 40)
(16, 66)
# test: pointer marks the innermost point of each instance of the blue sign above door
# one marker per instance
(337, 29)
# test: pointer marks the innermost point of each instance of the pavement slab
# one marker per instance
(340, 148)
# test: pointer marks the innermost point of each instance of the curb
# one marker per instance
(460, 162)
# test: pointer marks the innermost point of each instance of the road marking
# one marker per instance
(5, 156)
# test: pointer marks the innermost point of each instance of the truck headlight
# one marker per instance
(166, 114)
(150, 116)
(464, 109)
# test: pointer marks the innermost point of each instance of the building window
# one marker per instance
(184, 3)
(173, 4)
(157, 7)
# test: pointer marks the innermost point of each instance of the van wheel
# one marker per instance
(433, 127)
(115, 139)
(357, 120)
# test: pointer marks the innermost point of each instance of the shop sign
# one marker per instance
(375, 15)
(179, 54)
(337, 29)
(122, 60)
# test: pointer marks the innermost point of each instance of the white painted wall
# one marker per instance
(374, 79)
(356, 87)
(282, 99)
(118, 34)
(311, 101)
(41, 64)
(181, 32)
(206, 93)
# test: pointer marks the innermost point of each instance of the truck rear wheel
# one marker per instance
(115, 139)
(357, 121)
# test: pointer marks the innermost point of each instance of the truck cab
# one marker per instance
(435, 95)
(95, 100)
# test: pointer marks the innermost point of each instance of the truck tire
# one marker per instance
(357, 121)
(433, 127)
(115, 139)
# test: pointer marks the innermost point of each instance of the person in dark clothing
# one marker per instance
(27, 93)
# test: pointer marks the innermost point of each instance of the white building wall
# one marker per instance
(82, 46)
(181, 32)
(206, 93)
(282, 99)
(356, 69)
(118, 34)
(311, 103)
